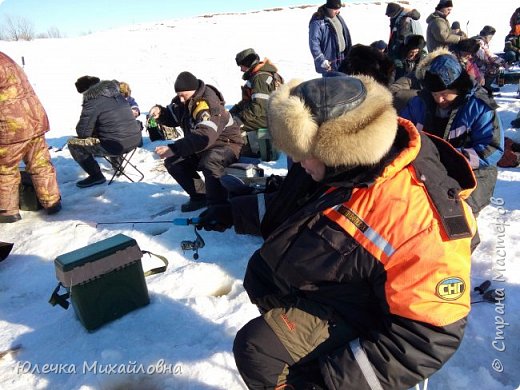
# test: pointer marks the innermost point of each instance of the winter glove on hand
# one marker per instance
(217, 218)
(326, 65)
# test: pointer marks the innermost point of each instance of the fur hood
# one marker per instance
(424, 64)
(356, 134)
(107, 88)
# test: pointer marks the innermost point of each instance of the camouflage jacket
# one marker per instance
(22, 116)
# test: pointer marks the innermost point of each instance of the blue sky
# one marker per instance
(76, 17)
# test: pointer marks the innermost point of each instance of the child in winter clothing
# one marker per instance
(125, 90)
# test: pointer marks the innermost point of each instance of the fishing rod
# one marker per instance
(186, 245)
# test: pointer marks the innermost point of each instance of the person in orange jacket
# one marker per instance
(363, 278)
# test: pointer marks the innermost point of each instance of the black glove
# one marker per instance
(218, 218)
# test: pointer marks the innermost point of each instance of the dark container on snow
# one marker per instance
(105, 280)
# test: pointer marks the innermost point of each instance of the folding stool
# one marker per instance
(119, 168)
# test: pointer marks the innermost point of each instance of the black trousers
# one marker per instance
(211, 163)
(284, 345)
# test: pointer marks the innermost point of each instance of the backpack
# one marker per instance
(416, 27)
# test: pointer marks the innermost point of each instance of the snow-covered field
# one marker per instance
(185, 335)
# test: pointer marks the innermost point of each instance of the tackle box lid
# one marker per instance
(93, 252)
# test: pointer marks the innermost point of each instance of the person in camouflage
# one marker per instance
(23, 124)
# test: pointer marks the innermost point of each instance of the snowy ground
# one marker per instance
(185, 334)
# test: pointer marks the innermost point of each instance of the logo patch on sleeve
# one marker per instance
(451, 288)
(354, 218)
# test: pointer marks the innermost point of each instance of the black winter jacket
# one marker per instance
(106, 115)
(204, 120)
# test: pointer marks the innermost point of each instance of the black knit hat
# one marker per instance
(392, 9)
(333, 4)
(247, 58)
(455, 26)
(85, 82)
(487, 30)
(186, 82)
(444, 4)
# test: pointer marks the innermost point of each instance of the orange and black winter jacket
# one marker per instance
(388, 248)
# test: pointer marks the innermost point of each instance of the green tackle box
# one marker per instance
(105, 280)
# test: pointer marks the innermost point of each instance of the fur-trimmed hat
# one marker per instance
(392, 9)
(85, 82)
(341, 120)
(487, 30)
(444, 72)
(186, 82)
(247, 58)
(470, 45)
(444, 4)
(369, 61)
(413, 41)
(333, 4)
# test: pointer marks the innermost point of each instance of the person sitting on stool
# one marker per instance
(106, 127)
(211, 140)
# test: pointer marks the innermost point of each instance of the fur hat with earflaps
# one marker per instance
(341, 120)
(85, 82)
(247, 58)
(440, 70)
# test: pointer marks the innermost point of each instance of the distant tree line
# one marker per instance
(18, 28)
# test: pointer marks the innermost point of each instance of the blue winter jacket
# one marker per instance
(323, 41)
(475, 128)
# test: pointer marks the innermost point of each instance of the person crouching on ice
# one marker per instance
(363, 281)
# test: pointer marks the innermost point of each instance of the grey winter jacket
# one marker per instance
(438, 33)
